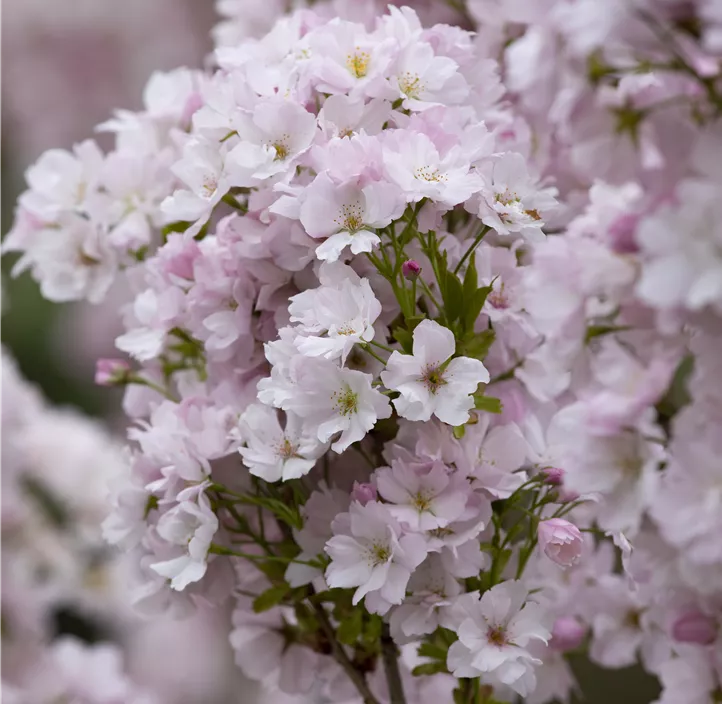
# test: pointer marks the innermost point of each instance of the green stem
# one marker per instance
(368, 350)
(380, 346)
(474, 245)
(141, 381)
(222, 550)
(427, 291)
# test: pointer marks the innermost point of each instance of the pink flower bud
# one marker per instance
(109, 372)
(567, 634)
(695, 627)
(411, 269)
(363, 492)
(621, 234)
(560, 540)
(553, 475)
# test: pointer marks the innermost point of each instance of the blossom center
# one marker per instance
(422, 501)
(350, 217)
(346, 401)
(427, 173)
(210, 184)
(346, 329)
(379, 553)
(281, 147)
(507, 198)
(286, 449)
(498, 300)
(496, 635)
(632, 620)
(433, 378)
(358, 63)
(410, 85)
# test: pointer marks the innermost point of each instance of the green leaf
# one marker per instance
(431, 650)
(404, 337)
(429, 668)
(270, 598)
(350, 628)
(478, 345)
(471, 279)
(275, 571)
(487, 403)
(459, 431)
(413, 320)
(473, 307)
(599, 330)
(372, 629)
(453, 295)
(335, 596)
(179, 226)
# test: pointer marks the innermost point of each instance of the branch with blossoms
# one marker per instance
(405, 403)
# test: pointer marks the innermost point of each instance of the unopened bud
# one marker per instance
(111, 372)
(363, 492)
(695, 627)
(567, 634)
(553, 475)
(411, 269)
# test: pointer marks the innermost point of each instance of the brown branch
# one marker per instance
(390, 656)
(342, 659)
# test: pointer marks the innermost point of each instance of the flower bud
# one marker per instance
(621, 234)
(553, 475)
(363, 492)
(411, 269)
(695, 627)
(110, 372)
(560, 540)
(567, 634)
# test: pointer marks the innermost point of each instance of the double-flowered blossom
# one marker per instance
(413, 313)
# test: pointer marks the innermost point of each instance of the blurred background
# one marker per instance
(65, 68)
(63, 72)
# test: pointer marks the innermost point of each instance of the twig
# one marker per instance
(341, 658)
(390, 656)
(474, 245)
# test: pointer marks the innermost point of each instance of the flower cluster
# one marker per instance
(55, 563)
(423, 342)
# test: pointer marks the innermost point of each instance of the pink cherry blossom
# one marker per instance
(560, 540)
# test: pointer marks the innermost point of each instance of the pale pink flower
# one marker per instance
(494, 633)
(273, 452)
(428, 382)
(374, 555)
(423, 496)
(514, 202)
(334, 400)
(190, 525)
(335, 316)
(560, 540)
(348, 214)
(413, 163)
